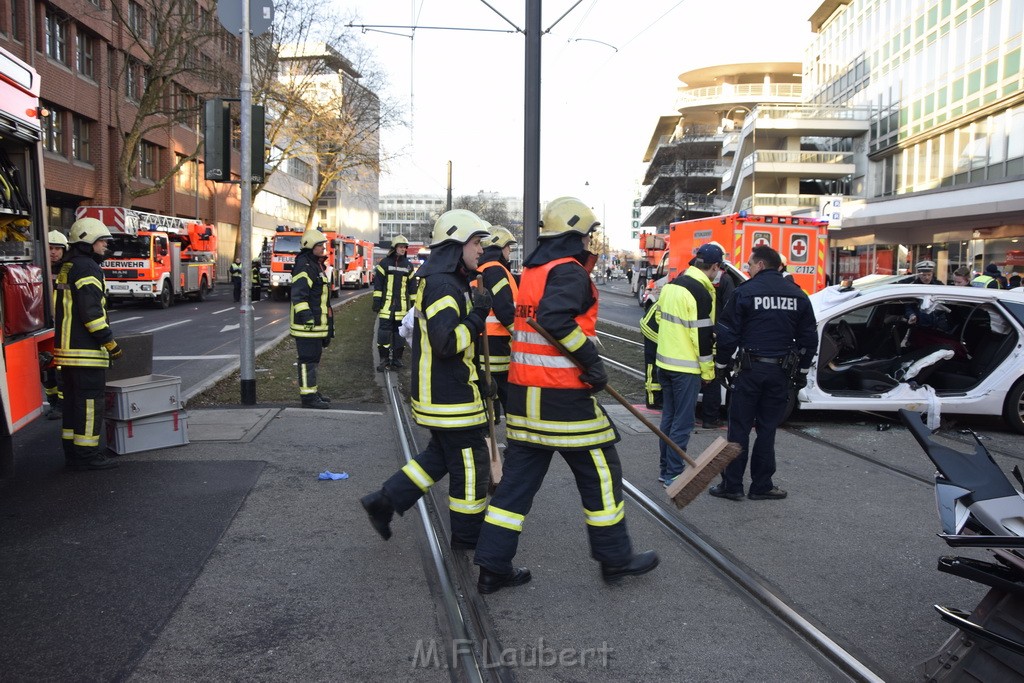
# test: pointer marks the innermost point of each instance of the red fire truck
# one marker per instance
(354, 262)
(25, 284)
(154, 257)
(284, 247)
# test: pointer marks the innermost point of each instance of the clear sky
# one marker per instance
(609, 70)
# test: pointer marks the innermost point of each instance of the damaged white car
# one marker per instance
(921, 347)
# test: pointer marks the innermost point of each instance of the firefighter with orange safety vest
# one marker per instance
(446, 396)
(551, 407)
(83, 344)
(504, 288)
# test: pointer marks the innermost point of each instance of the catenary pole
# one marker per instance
(247, 364)
(531, 132)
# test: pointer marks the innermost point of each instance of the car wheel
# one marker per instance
(1013, 408)
(204, 290)
(166, 297)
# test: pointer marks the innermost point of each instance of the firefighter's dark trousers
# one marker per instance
(462, 455)
(652, 385)
(598, 473)
(52, 386)
(390, 344)
(83, 412)
(310, 350)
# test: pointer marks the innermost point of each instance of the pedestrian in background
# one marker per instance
(962, 277)
(83, 344)
(236, 280)
(392, 293)
(312, 318)
(256, 292)
(989, 279)
(551, 407)
(629, 276)
(686, 317)
(58, 247)
(769, 326)
(504, 289)
(446, 397)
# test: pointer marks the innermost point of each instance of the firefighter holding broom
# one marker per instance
(446, 397)
(551, 408)
(499, 281)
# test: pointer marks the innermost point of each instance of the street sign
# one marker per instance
(261, 15)
(831, 209)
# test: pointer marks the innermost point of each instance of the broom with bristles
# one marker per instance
(700, 473)
(492, 442)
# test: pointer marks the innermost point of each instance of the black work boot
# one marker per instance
(314, 401)
(635, 566)
(491, 582)
(325, 399)
(385, 358)
(396, 362)
(69, 451)
(380, 511)
(92, 461)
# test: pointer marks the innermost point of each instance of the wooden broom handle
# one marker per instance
(488, 402)
(616, 395)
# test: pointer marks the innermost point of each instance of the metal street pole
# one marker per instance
(531, 137)
(247, 365)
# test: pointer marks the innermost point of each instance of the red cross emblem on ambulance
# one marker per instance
(760, 239)
(798, 248)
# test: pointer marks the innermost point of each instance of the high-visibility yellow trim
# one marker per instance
(67, 434)
(444, 302)
(301, 306)
(499, 285)
(97, 324)
(607, 517)
(533, 403)
(467, 506)
(426, 420)
(462, 337)
(567, 442)
(553, 426)
(574, 340)
(418, 476)
(89, 281)
(469, 468)
(303, 276)
(504, 518)
(445, 408)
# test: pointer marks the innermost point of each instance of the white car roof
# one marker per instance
(830, 297)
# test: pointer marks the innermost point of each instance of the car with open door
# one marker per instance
(885, 346)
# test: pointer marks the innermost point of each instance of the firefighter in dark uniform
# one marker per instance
(551, 408)
(256, 292)
(83, 344)
(58, 247)
(391, 293)
(312, 319)
(504, 289)
(711, 394)
(771, 325)
(446, 396)
(652, 384)
(236, 280)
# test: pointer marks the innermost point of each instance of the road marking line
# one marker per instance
(225, 310)
(226, 357)
(164, 327)
(124, 320)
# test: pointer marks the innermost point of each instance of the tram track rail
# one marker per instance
(467, 614)
(837, 657)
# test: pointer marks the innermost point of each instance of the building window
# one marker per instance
(136, 19)
(83, 53)
(53, 130)
(147, 160)
(56, 37)
(15, 25)
(187, 178)
(80, 138)
(131, 79)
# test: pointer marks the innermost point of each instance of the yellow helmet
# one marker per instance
(567, 214)
(500, 237)
(57, 239)
(457, 225)
(88, 230)
(311, 238)
(398, 241)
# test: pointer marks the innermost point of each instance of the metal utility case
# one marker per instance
(135, 397)
(147, 433)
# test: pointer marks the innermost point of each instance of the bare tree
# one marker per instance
(493, 209)
(171, 57)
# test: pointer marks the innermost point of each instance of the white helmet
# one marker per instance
(399, 241)
(567, 214)
(88, 230)
(311, 238)
(457, 225)
(500, 237)
(57, 239)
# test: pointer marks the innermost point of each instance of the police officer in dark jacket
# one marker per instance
(446, 397)
(83, 344)
(771, 325)
(312, 319)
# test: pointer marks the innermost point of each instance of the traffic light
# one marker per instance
(258, 142)
(217, 134)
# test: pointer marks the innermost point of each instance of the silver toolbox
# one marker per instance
(147, 433)
(137, 397)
